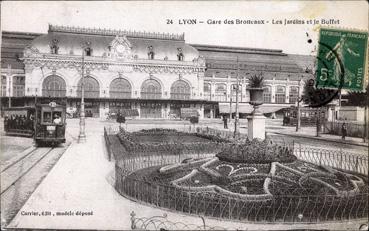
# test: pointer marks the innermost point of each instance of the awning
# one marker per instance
(247, 108)
(189, 112)
(129, 112)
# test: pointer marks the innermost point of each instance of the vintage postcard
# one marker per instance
(184, 115)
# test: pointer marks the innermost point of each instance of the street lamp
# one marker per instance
(236, 120)
(82, 122)
(299, 99)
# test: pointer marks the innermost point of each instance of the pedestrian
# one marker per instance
(225, 121)
(344, 130)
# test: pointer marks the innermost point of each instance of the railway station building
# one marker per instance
(155, 73)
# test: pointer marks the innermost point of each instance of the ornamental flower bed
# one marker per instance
(249, 180)
(168, 142)
(256, 151)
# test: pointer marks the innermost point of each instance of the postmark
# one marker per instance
(341, 59)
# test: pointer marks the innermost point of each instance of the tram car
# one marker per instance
(308, 116)
(19, 121)
(49, 124)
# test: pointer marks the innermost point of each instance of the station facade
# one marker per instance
(155, 73)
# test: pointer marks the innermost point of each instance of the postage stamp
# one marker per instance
(341, 59)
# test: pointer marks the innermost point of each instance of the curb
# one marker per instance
(320, 138)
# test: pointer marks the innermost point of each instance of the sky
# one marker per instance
(156, 16)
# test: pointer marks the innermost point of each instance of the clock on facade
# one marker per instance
(120, 48)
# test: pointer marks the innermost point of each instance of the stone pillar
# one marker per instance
(256, 126)
(212, 90)
(8, 84)
(200, 109)
(9, 81)
(138, 107)
(229, 92)
(103, 110)
(287, 98)
(272, 94)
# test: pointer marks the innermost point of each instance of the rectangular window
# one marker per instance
(47, 117)
(267, 97)
(280, 98)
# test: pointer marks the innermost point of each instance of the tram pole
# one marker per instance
(82, 122)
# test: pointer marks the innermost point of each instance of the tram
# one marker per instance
(308, 116)
(50, 124)
(19, 121)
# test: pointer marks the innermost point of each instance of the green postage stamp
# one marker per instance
(341, 59)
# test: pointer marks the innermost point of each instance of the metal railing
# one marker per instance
(336, 159)
(163, 223)
(280, 208)
(283, 208)
(353, 129)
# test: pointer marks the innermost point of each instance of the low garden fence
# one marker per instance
(285, 208)
(343, 160)
(164, 223)
(353, 129)
(281, 208)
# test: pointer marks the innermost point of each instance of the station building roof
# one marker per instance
(221, 61)
(71, 39)
(12, 46)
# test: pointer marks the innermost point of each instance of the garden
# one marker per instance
(247, 180)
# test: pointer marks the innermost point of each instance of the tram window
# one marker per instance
(56, 118)
(47, 117)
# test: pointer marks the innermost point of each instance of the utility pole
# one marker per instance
(230, 107)
(82, 122)
(10, 83)
(299, 99)
(236, 120)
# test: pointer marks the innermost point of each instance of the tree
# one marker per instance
(358, 98)
(317, 98)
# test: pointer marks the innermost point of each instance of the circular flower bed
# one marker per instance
(250, 181)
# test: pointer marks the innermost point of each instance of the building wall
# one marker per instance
(133, 64)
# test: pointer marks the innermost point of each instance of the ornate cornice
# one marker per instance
(110, 32)
(99, 63)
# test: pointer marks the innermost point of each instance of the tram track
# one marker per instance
(17, 160)
(23, 175)
(19, 168)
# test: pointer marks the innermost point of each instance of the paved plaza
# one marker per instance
(83, 179)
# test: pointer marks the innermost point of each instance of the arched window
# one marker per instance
(54, 86)
(267, 94)
(151, 89)
(3, 85)
(151, 53)
(88, 51)
(120, 89)
(91, 87)
(180, 55)
(207, 91)
(180, 90)
(54, 49)
(280, 94)
(221, 92)
(18, 86)
(234, 92)
(294, 94)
